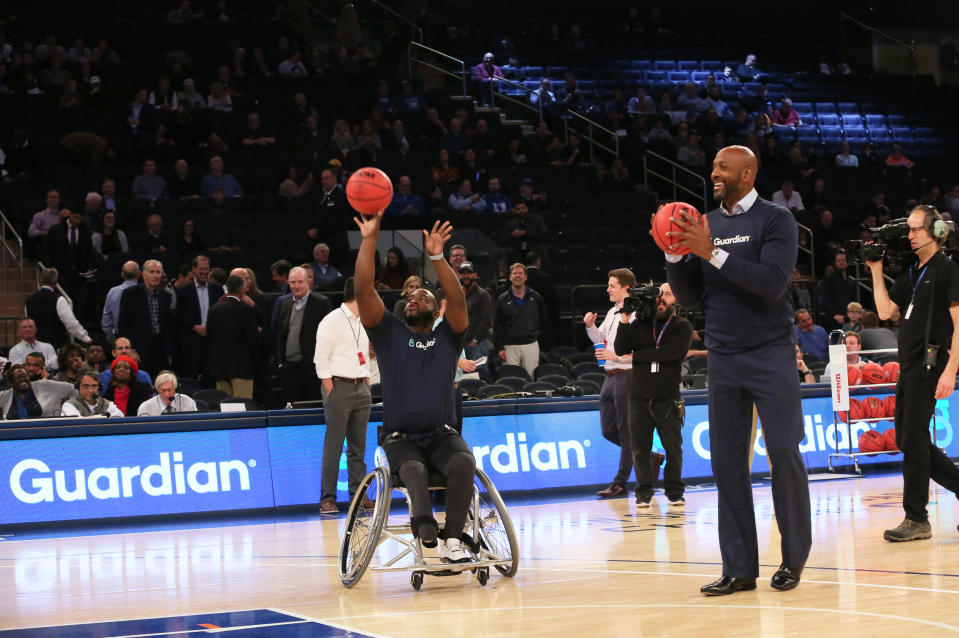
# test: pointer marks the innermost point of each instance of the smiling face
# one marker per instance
(517, 276)
(734, 170)
(122, 373)
(616, 291)
(19, 380)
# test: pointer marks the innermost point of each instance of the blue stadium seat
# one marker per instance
(532, 85)
(678, 76)
(784, 134)
(534, 72)
(830, 133)
(556, 72)
(642, 65)
(803, 107)
(809, 138)
(688, 65)
(852, 119)
(634, 77)
(711, 65)
(655, 76)
(699, 77)
(872, 107)
(924, 132)
(752, 87)
(874, 120)
(902, 133)
(776, 87)
(897, 119)
(608, 75)
(658, 88)
(664, 65)
(586, 85)
(880, 134)
(828, 119)
(848, 108)
(825, 107)
(856, 134)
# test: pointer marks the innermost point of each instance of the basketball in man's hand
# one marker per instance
(369, 190)
(663, 223)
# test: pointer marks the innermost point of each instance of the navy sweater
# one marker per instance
(747, 302)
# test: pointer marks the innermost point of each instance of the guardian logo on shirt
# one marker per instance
(422, 345)
(738, 239)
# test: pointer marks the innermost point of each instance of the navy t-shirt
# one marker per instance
(416, 374)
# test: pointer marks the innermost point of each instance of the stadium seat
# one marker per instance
(688, 65)
(642, 65)
(655, 76)
(555, 380)
(856, 134)
(588, 387)
(902, 133)
(897, 119)
(596, 377)
(211, 396)
(549, 368)
(699, 77)
(506, 370)
(538, 386)
(848, 108)
(489, 391)
(563, 351)
(678, 76)
(471, 386)
(830, 133)
(582, 368)
(828, 119)
(711, 65)
(515, 383)
(825, 107)
(874, 120)
(664, 65)
(854, 120)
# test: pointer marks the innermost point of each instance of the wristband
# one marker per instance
(436, 257)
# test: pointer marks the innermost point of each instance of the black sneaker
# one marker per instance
(642, 502)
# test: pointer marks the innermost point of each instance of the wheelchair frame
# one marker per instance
(492, 538)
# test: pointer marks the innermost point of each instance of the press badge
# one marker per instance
(654, 367)
(908, 311)
(359, 355)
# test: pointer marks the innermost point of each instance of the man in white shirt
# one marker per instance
(111, 307)
(166, 401)
(88, 401)
(28, 343)
(52, 312)
(614, 395)
(342, 364)
(787, 197)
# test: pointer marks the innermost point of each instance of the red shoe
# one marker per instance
(614, 489)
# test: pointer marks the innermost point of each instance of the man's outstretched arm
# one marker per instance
(367, 300)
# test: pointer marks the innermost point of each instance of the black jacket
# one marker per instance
(134, 322)
(188, 304)
(637, 338)
(231, 330)
(42, 308)
(139, 392)
(317, 307)
(69, 260)
(513, 325)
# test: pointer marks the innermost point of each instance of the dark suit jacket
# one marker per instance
(231, 331)
(69, 260)
(134, 321)
(146, 243)
(188, 304)
(543, 283)
(317, 307)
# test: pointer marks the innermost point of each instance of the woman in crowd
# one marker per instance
(126, 392)
(70, 360)
(109, 239)
(411, 285)
(396, 271)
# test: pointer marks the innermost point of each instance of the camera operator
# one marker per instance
(928, 293)
(659, 344)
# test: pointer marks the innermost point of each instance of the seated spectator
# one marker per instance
(805, 374)
(96, 357)
(854, 315)
(395, 271)
(149, 185)
(182, 185)
(342, 140)
(191, 96)
(874, 337)
(219, 98)
(27, 330)
(70, 361)
(411, 285)
(869, 157)
(396, 138)
(484, 78)
(845, 159)
(254, 134)
(368, 141)
(853, 346)
(163, 97)
(690, 101)
(325, 274)
(188, 241)
(27, 399)
(692, 154)
(747, 71)
(167, 400)
(292, 188)
(88, 401)
(788, 198)
(436, 202)
(292, 66)
(124, 389)
(409, 101)
(714, 100)
(405, 201)
(810, 337)
(155, 239)
(496, 201)
(124, 347)
(640, 103)
(523, 232)
(216, 178)
(896, 158)
(35, 365)
(543, 97)
(799, 293)
(109, 239)
(455, 140)
(786, 115)
(464, 199)
(617, 180)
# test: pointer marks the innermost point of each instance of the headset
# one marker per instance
(93, 374)
(163, 377)
(937, 227)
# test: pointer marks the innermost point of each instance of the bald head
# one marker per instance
(734, 174)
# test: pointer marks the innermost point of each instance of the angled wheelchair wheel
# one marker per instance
(364, 526)
(496, 532)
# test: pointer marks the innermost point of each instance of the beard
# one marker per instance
(419, 319)
(664, 314)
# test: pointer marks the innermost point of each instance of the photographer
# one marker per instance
(928, 293)
(659, 343)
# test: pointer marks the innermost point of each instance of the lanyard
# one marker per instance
(356, 334)
(659, 338)
(915, 286)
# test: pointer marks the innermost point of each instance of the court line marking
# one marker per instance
(325, 621)
(100, 622)
(700, 606)
(218, 630)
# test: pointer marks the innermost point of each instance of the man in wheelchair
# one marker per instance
(417, 364)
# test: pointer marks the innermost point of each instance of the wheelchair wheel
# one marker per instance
(496, 532)
(364, 526)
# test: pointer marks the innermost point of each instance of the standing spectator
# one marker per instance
(799, 292)
(88, 401)
(149, 185)
(297, 319)
(543, 283)
(124, 388)
(280, 273)
(146, 318)
(517, 322)
(810, 337)
(216, 178)
(43, 221)
(341, 359)
(32, 400)
(52, 312)
(69, 249)
(747, 71)
(109, 239)
(479, 307)
(231, 326)
(524, 231)
(193, 302)
(789, 198)
(129, 273)
(27, 330)
(836, 291)
(332, 216)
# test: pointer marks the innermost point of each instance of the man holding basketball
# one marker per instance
(417, 363)
(739, 269)
(928, 293)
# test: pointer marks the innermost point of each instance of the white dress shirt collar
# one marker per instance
(742, 206)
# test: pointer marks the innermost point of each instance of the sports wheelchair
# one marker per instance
(489, 536)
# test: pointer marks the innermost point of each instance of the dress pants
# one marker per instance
(923, 460)
(765, 376)
(646, 415)
(347, 412)
(614, 420)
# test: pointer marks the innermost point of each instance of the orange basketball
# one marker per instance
(873, 373)
(854, 375)
(369, 190)
(842, 417)
(873, 408)
(891, 369)
(871, 441)
(662, 224)
(855, 410)
(889, 403)
(889, 440)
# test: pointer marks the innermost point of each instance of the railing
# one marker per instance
(506, 97)
(591, 124)
(909, 46)
(701, 195)
(808, 247)
(402, 18)
(416, 46)
(7, 254)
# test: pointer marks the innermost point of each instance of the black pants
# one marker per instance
(299, 382)
(922, 459)
(646, 415)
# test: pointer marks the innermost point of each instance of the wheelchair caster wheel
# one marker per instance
(482, 575)
(416, 580)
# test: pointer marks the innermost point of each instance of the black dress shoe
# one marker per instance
(785, 578)
(728, 585)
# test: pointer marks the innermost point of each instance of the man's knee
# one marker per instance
(460, 465)
(412, 471)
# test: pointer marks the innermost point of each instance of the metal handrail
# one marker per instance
(592, 143)
(676, 186)
(538, 109)
(413, 59)
(6, 226)
(811, 249)
(403, 18)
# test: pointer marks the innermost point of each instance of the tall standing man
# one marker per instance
(342, 365)
(614, 395)
(928, 360)
(739, 270)
(517, 322)
(296, 319)
(193, 302)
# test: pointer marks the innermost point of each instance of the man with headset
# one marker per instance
(88, 401)
(166, 401)
(927, 293)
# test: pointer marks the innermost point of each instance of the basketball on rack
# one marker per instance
(855, 410)
(871, 441)
(891, 369)
(873, 408)
(873, 373)
(369, 190)
(889, 403)
(853, 375)
(662, 224)
(889, 440)
(842, 417)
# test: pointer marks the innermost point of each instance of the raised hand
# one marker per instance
(435, 239)
(369, 226)
(589, 319)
